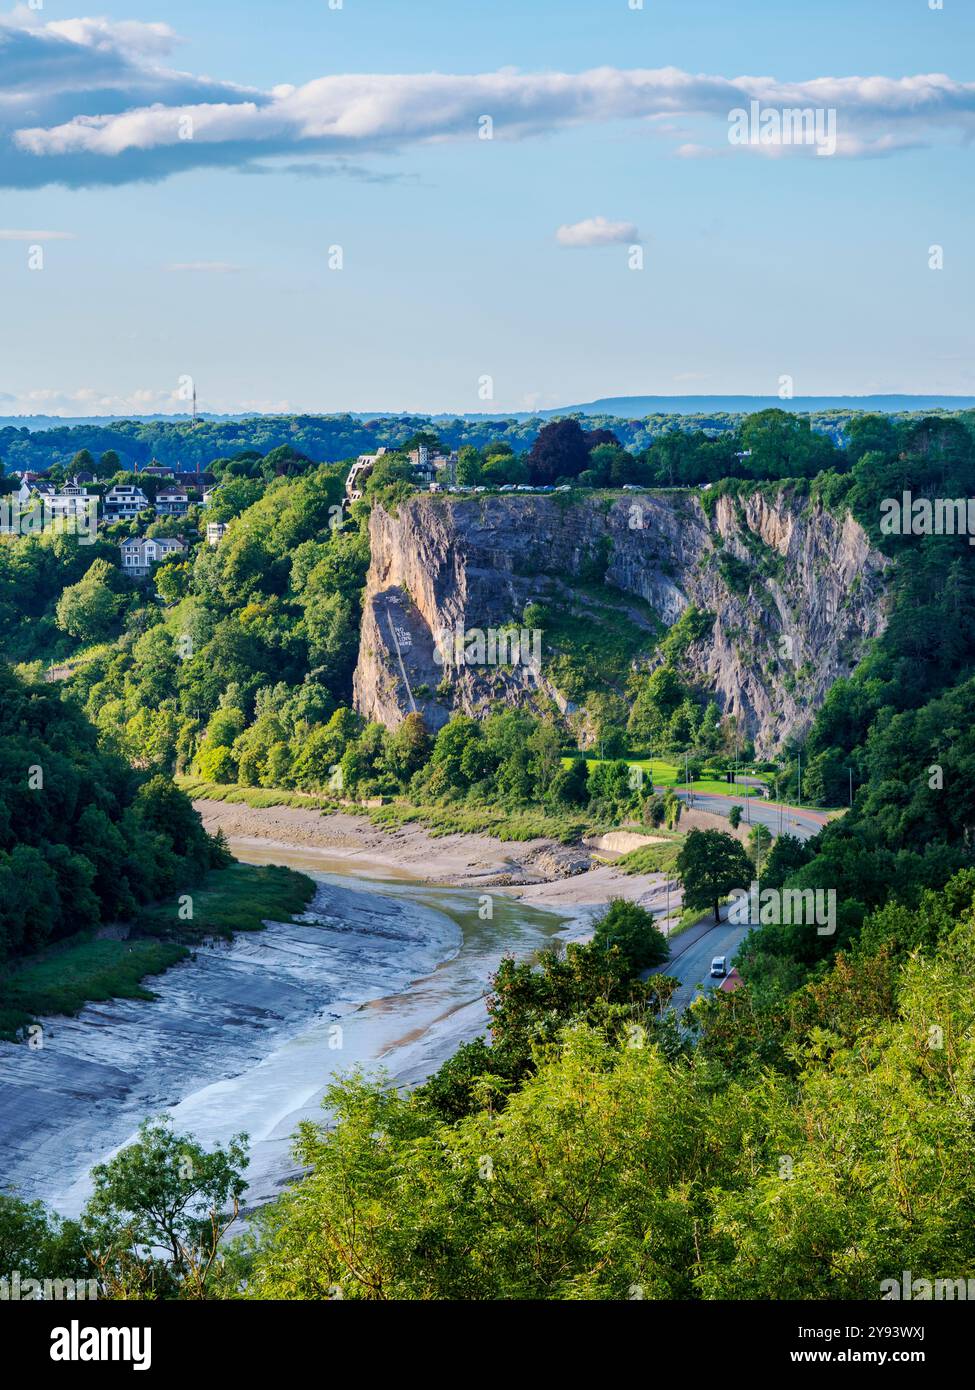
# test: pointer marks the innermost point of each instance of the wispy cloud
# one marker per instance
(206, 267)
(15, 234)
(597, 231)
(87, 101)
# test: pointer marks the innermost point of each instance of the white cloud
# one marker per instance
(87, 400)
(13, 234)
(597, 231)
(206, 267)
(85, 101)
(127, 36)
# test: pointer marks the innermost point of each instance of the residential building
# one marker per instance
(124, 501)
(360, 471)
(72, 500)
(427, 464)
(195, 478)
(216, 530)
(32, 484)
(141, 553)
(172, 501)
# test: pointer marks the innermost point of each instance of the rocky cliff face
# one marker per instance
(794, 593)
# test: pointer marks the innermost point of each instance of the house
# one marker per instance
(196, 477)
(428, 463)
(216, 530)
(157, 470)
(124, 501)
(32, 484)
(141, 553)
(172, 501)
(73, 500)
(426, 466)
(359, 472)
(207, 494)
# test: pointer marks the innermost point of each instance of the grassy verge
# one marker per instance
(80, 971)
(86, 969)
(455, 819)
(651, 859)
(666, 774)
(259, 797)
(239, 898)
(461, 819)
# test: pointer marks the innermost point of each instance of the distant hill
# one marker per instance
(622, 407)
(637, 407)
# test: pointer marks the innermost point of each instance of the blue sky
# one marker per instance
(208, 257)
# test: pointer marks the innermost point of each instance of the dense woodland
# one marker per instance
(806, 1136)
(332, 438)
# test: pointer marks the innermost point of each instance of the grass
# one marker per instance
(651, 859)
(81, 971)
(461, 819)
(666, 774)
(238, 898)
(259, 797)
(88, 969)
(456, 818)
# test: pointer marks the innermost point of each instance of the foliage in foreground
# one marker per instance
(613, 1172)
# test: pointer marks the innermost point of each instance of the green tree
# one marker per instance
(710, 864)
(633, 931)
(89, 610)
(165, 1195)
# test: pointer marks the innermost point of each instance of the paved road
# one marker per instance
(780, 819)
(691, 964)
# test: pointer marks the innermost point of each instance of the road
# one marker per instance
(691, 963)
(780, 819)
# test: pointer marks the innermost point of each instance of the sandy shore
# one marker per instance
(540, 872)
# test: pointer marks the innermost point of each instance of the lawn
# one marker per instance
(667, 774)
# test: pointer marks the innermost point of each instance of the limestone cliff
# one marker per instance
(793, 590)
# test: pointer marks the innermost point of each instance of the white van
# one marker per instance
(719, 967)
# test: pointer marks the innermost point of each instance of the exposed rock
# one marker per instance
(795, 593)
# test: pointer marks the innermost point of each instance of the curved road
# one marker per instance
(780, 819)
(691, 962)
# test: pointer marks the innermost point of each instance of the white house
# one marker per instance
(216, 530)
(124, 501)
(172, 501)
(141, 553)
(72, 500)
(359, 472)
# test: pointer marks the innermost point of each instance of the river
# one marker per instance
(382, 972)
